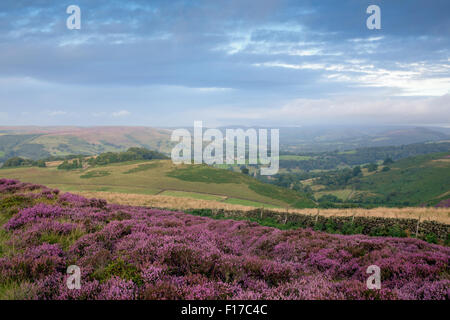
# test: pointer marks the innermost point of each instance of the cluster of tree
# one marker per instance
(371, 167)
(71, 162)
(291, 181)
(21, 162)
(71, 165)
(332, 179)
(329, 198)
(129, 155)
(339, 178)
(331, 160)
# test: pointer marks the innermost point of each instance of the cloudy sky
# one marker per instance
(259, 62)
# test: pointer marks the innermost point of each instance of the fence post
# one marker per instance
(417, 227)
(286, 215)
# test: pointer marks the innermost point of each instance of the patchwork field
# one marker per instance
(164, 178)
(411, 181)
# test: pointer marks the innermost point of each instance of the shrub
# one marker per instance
(431, 238)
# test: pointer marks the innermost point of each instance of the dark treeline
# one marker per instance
(70, 165)
(129, 155)
(21, 162)
(74, 161)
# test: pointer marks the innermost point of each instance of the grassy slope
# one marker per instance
(152, 177)
(412, 180)
(38, 143)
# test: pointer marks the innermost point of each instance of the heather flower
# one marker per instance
(33, 214)
(443, 204)
(127, 252)
(117, 289)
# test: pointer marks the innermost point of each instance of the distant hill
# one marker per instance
(411, 135)
(335, 159)
(42, 142)
(320, 139)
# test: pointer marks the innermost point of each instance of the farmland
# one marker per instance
(411, 181)
(162, 176)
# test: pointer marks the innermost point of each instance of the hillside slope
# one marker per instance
(411, 181)
(163, 177)
(41, 142)
(37, 143)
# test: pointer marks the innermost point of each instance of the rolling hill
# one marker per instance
(322, 139)
(41, 142)
(164, 178)
(412, 181)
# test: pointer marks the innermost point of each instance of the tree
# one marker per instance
(41, 163)
(244, 170)
(388, 161)
(18, 162)
(80, 162)
(66, 165)
(372, 167)
(14, 162)
(357, 171)
(129, 155)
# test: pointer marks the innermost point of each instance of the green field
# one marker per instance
(95, 174)
(162, 176)
(250, 203)
(204, 196)
(296, 158)
(143, 167)
(343, 194)
(411, 181)
(348, 152)
(193, 195)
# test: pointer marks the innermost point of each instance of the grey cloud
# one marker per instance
(125, 51)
